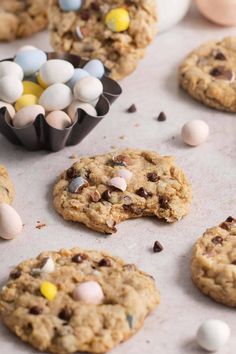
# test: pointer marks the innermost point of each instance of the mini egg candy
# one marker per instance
(25, 100)
(77, 184)
(25, 48)
(27, 115)
(126, 174)
(119, 183)
(195, 132)
(10, 222)
(213, 335)
(30, 61)
(49, 266)
(11, 89)
(31, 88)
(89, 292)
(118, 20)
(58, 120)
(87, 107)
(95, 68)
(78, 74)
(56, 71)
(40, 81)
(9, 107)
(88, 89)
(56, 97)
(10, 68)
(70, 5)
(48, 290)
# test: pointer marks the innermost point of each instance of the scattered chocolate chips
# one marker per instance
(85, 15)
(225, 226)
(104, 262)
(15, 274)
(229, 219)
(217, 240)
(164, 202)
(222, 73)
(233, 262)
(142, 192)
(65, 314)
(79, 258)
(71, 173)
(132, 109)
(133, 209)
(121, 160)
(95, 6)
(162, 117)
(106, 195)
(152, 177)
(35, 310)
(220, 56)
(157, 247)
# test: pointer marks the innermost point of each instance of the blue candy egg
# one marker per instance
(95, 68)
(77, 185)
(30, 61)
(70, 5)
(78, 74)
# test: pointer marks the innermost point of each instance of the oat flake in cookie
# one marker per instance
(115, 31)
(7, 191)
(214, 263)
(101, 191)
(87, 302)
(208, 74)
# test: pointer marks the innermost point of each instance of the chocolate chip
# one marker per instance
(65, 314)
(217, 240)
(164, 202)
(233, 262)
(142, 192)
(132, 109)
(121, 160)
(79, 258)
(104, 262)
(222, 73)
(229, 219)
(95, 6)
(35, 310)
(152, 177)
(85, 15)
(220, 56)
(15, 274)
(133, 209)
(71, 173)
(106, 195)
(225, 226)
(157, 247)
(162, 117)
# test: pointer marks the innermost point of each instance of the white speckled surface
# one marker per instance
(210, 167)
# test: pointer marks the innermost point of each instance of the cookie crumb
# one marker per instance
(162, 117)
(157, 247)
(40, 225)
(132, 109)
(122, 137)
(73, 157)
(136, 125)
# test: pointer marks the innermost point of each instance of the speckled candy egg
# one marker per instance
(10, 222)
(56, 71)
(70, 5)
(195, 132)
(88, 89)
(95, 68)
(78, 75)
(56, 97)
(58, 120)
(30, 60)
(27, 115)
(87, 107)
(222, 12)
(89, 292)
(11, 68)
(9, 107)
(213, 335)
(11, 89)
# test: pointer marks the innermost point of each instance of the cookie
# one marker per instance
(104, 190)
(49, 301)
(6, 187)
(87, 32)
(214, 263)
(208, 74)
(20, 19)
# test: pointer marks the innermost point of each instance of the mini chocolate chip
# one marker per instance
(35, 310)
(104, 262)
(220, 56)
(71, 173)
(15, 274)
(65, 314)
(142, 192)
(233, 262)
(157, 247)
(127, 200)
(132, 109)
(225, 226)
(162, 117)
(222, 73)
(106, 195)
(152, 177)
(121, 160)
(85, 15)
(217, 240)
(95, 6)
(79, 258)
(229, 219)
(164, 202)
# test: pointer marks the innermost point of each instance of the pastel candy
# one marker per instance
(95, 68)
(40, 81)
(213, 335)
(30, 60)
(49, 266)
(89, 292)
(27, 115)
(88, 89)
(58, 120)
(75, 105)
(56, 71)
(25, 100)
(119, 183)
(11, 89)
(78, 74)
(11, 68)
(126, 174)
(25, 48)
(56, 97)
(70, 5)
(77, 184)
(31, 88)
(10, 222)
(118, 20)
(48, 290)
(9, 107)
(195, 132)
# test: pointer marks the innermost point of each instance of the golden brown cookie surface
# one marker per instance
(7, 191)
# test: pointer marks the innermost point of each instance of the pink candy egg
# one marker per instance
(195, 132)
(27, 115)
(9, 107)
(89, 292)
(10, 222)
(58, 120)
(119, 183)
(222, 12)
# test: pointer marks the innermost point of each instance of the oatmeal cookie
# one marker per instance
(6, 187)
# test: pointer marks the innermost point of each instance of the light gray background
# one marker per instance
(210, 167)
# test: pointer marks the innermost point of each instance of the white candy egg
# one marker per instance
(10, 222)
(56, 71)
(49, 266)
(8, 67)
(89, 292)
(212, 335)
(58, 120)
(11, 88)
(126, 174)
(27, 115)
(56, 97)
(9, 107)
(25, 48)
(119, 183)
(195, 132)
(88, 89)
(88, 108)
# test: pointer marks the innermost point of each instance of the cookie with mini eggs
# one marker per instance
(114, 31)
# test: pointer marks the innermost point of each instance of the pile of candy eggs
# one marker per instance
(31, 85)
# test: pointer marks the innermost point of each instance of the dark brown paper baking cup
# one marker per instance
(40, 135)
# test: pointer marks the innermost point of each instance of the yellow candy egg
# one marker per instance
(48, 290)
(118, 20)
(26, 100)
(31, 88)
(40, 81)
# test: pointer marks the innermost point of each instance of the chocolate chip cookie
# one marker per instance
(104, 190)
(6, 187)
(118, 38)
(208, 74)
(214, 263)
(49, 301)
(20, 19)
